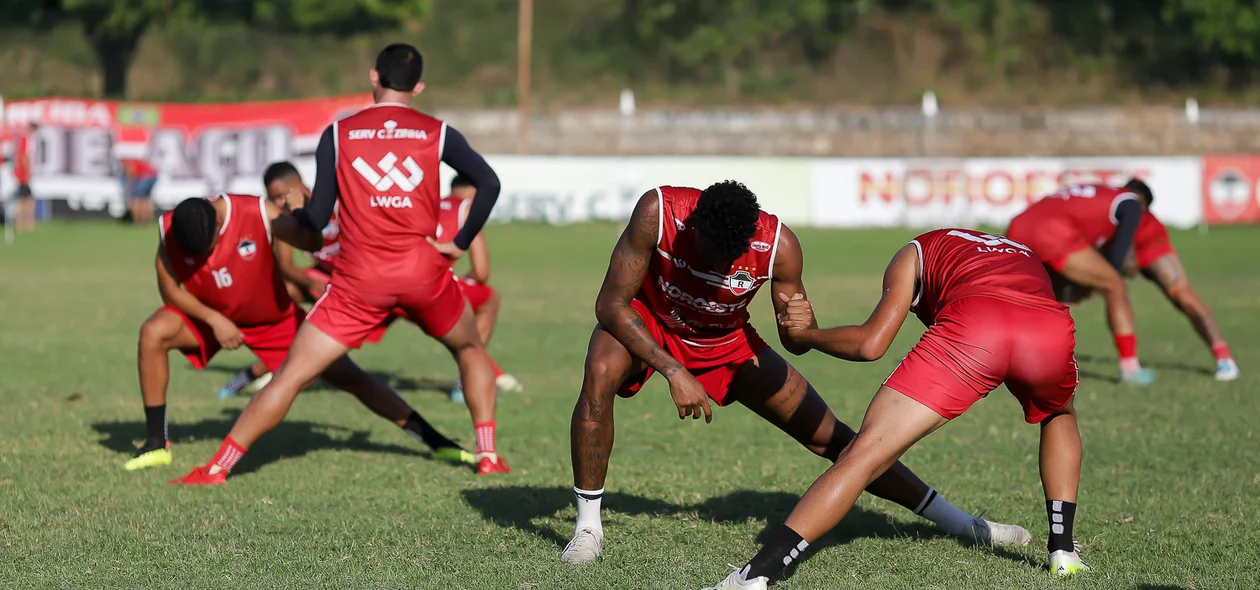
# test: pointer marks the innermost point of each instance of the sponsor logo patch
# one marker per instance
(760, 246)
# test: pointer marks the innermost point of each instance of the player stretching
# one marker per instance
(674, 302)
(992, 319)
(1064, 228)
(481, 296)
(1155, 257)
(217, 276)
(380, 168)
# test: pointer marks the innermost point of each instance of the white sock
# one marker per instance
(937, 509)
(588, 502)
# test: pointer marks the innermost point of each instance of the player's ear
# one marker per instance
(418, 89)
(375, 77)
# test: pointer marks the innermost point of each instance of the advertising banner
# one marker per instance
(1230, 187)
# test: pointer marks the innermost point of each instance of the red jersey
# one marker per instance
(687, 298)
(1091, 209)
(959, 263)
(21, 159)
(1151, 243)
(451, 215)
(388, 158)
(326, 258)
(139, 168)
(239, 278)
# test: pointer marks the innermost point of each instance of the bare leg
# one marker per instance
(1060, 457)
(345, 375)
(608, 364)
(311, 353)
(487, 315)
(1090, 270)
(162, 332)
(475, 371)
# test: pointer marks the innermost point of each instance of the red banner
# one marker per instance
(1230, 189)
(196, 148)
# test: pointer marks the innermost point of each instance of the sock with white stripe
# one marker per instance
(783, 546)
(1061, 515)
(588, 503)
(937, 509)
(226, 458)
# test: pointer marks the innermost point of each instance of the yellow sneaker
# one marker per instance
(149, 458)
(454, 455)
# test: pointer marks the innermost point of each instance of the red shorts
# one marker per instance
(351, 318)
(1151, 244)
(1052, 240)
(713, 365)
(476, 293)
(978, 343)
(270, 343)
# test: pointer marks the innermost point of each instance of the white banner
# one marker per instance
(890, 192)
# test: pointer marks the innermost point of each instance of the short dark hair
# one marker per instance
(193, 225)
(1140, 189)
(461, 181)
(278, 170)
(399, 67)
(726, 215)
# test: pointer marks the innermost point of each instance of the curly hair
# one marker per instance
(726, 215)
(193, 225)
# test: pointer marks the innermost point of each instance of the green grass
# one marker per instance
(336, 498)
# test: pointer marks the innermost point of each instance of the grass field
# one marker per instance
(336, 498)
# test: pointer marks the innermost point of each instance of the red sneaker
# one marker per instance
(488, 466)
(200, 476)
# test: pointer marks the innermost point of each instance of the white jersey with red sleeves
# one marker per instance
(453, 211)
(955, 263)
(388, 195)
(687, 297)
(239, 278)
(1091, 208)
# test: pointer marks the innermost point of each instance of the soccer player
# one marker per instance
(139, 178)
(24, 218)
(481, 296)
(1064, 229)
(674, 302)
(380, 168)
(217, 276)
(992, 319)
(1155, 257)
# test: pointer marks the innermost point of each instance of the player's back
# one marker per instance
(388, 158)
(1091, 208)
(955, 263)
(239, 277)
(689, 298)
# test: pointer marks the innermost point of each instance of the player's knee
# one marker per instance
(155, 332)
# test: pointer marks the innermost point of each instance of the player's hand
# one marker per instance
(294, 199)
(797, 313)
(447, 249)
(318, 287)
(228, 335)
(689, 396)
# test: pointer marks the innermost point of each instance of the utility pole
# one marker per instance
(524, 46)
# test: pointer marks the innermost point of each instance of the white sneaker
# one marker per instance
(736, 581)
(1066, 563)
(586, 546)
(508, 383)
(1226, 370)
(996, 534)
(256, 385)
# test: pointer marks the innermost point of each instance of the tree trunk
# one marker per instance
(114, 51)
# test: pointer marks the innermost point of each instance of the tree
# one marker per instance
(114, 28)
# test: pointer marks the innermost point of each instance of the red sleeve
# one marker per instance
(1151, 242)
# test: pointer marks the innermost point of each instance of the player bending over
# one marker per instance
(1064, 229)
(992, 319)
(217, 276)
(379, 167)
(481, 296)
(675, 302)
(1155, 257)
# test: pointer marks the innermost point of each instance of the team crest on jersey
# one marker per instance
(247, 249)
(741, 282)
(760, 246)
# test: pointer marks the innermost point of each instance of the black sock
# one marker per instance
(1061, 515)
(423, 432)
(155, 425)
(783, 546)
(237, 383)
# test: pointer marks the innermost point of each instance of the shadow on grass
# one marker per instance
(291, 439)
(401, 384)
(1157, 365)
(519, 506)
